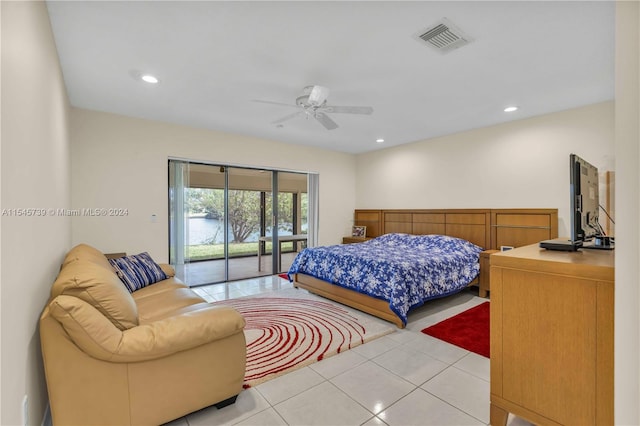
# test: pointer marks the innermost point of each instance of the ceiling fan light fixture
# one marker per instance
(318, 95)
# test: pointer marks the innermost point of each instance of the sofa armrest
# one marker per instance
(98, 337)
(167, 269)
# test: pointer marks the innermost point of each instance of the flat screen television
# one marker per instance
(584, 199)
(584, 205)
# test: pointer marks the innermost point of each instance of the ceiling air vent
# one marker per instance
(444, 36)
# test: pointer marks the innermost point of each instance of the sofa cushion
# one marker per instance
(89, 329)
(137, 271)
(99, 287)
(86, 252)
(159, 287)
(92, 333)
(164, 304)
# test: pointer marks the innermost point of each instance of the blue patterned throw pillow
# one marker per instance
(137, 271)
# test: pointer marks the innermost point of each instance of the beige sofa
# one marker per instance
(117, 358)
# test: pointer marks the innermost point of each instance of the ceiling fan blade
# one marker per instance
(274, 103)
(348, 109)
(288, 117)
(324, 119)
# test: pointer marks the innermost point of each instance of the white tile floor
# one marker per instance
(404, 378)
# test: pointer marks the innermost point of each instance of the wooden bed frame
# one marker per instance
(488, 228)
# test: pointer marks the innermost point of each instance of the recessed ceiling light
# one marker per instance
(149, 78)
(380, 140)
(511, 109)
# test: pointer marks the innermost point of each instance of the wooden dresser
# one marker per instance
(552, 336)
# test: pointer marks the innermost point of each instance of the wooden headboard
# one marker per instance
(520, 227)
(488, 228)
(471, 225)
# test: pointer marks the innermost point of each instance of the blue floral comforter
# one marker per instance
(404, 269)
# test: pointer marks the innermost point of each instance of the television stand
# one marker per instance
(561, 245)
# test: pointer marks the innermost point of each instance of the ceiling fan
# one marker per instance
(313, 104)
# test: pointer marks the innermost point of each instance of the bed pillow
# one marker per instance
(137, 271)
(459, 244)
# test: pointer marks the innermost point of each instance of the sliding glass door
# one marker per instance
(248, 205)
(223, 221)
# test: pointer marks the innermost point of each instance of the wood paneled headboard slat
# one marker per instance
(520, 227)
(488, 228)
(398, 227)
(428, 218)
(470, 224)
(372, 219)
(422, 228)
(467, 218)
(477, 234)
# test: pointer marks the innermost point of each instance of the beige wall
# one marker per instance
(524, 163)
(35, 174)
(627, 297)
(121, 162)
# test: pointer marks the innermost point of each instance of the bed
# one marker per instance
(462, 231)
(405, 270)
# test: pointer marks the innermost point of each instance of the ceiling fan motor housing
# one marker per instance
(313, 96)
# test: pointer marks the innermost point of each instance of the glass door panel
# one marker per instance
(196, 195)
(249, 223)
(179, 172)
(205, 206)
(292, 216)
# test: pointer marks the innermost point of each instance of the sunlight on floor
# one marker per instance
(243, 288)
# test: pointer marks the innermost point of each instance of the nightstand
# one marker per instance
(483, 280)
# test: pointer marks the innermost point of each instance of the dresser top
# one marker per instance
(587, 263)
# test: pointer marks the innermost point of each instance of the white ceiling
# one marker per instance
(214, 58)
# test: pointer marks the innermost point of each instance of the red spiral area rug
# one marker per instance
(284, 334)
(468, 330)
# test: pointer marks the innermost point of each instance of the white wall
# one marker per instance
(35, 174)
(627, 297)
(121, 162)
(524, 163)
